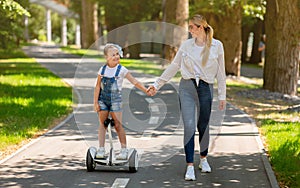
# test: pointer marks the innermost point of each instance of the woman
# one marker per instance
(200, 60)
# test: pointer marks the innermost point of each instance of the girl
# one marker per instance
(108, 97)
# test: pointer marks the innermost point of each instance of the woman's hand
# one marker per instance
(222, 104)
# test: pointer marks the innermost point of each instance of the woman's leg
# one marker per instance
(102, 129)
(205, 95)
(188, 100)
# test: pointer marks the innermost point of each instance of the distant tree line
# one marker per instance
(232, 20)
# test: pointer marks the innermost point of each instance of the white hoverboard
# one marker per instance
(110, 160)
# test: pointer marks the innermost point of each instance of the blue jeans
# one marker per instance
(195, 103)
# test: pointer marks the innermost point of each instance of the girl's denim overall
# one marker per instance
(110, 97)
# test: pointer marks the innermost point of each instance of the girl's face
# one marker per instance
(195, 29)
(112, 57)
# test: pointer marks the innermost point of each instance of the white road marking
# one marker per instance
(120, 182)
(140, 93)
(153, 120)
(150, 100)
(154, 108)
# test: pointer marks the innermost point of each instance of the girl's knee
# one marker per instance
(118, 126)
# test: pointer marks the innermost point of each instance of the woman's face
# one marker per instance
(195, 29)
(112, 57)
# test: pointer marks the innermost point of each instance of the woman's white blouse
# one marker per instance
(188, 61)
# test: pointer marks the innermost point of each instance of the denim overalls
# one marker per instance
(110, 97)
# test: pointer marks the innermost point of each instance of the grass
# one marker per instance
(279, 128)
(87, 53)
(32, 99)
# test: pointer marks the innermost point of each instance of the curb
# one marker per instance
(266, 162)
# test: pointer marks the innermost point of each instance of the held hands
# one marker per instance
(151, 91)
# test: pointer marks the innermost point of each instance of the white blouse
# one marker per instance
(188, 61)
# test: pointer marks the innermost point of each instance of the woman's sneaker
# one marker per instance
(204, 166)
(190, 174)
(123, 154)
(100, 153)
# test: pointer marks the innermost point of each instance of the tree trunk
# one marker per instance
(89, 23)
(228, 29)
(134, 48)
(257, 31)
(245, 38)
(178, 17)
(281, 70)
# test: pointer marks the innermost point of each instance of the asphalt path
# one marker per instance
(153, 126)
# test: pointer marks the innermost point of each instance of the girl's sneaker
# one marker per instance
(190, 174)
(100, 153)
(204, 166)
(123, 154)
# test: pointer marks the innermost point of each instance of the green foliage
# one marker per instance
(284, 148)
(252, 9)
(217, 7)
(11, 22)
(36, 24)
(13, 9)
(118, 13)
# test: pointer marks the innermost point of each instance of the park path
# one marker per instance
(57, 159)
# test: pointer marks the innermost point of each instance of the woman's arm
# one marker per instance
(170, 71)
(96, 94)
(221, 79)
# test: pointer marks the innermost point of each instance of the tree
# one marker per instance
(253, 21)
(11, 18)
(120, 13)
(281, 70)
(226, 18)
(178, 17)
(89, 22)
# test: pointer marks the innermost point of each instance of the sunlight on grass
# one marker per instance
(31, 99)
(284, 149)
(82, 52)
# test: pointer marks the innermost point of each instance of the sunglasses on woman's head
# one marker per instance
(192, 26)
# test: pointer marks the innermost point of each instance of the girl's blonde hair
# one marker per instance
(111, 45)
(200, 20)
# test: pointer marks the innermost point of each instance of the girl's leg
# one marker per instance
(103, 115)
(117, 117)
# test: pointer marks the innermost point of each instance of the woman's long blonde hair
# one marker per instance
(200, 20)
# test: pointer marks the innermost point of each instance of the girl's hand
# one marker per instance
(96, 107)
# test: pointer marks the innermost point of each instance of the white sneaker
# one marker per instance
(123, 154)
(100, 153)
(190, 174)
(204, 166)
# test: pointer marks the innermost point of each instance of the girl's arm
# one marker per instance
(96, 94)
(136, 83)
